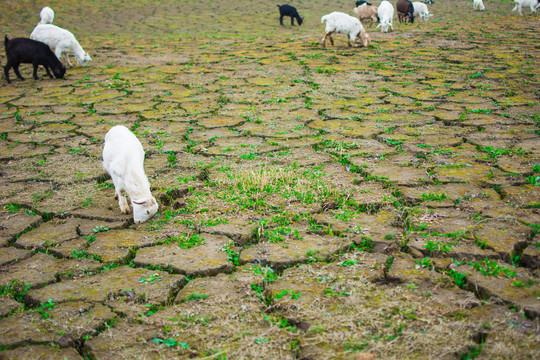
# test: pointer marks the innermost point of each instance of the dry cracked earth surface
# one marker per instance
(347, 203)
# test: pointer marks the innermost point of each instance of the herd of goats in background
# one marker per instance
(48, 42)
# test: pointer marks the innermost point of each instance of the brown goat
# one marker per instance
(405, 10)
(366, 12)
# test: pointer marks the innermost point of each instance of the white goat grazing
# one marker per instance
(60, 41)
(338, 22)
(47, 15)
(478, 5)
(366, 12)
(421, 10)
(532, 4)
(123, 158)
(385, 11)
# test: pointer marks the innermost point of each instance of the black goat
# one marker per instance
(405, 10)
(288, 10)
(28, 51)
(358, 3)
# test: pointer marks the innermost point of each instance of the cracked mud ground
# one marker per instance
(349, 203)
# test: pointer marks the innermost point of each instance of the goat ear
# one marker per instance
(140, 201)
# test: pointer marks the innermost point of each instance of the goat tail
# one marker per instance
(6, 40)
(323, 19)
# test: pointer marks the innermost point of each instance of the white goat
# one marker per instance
(46, 15)
(421, 10)
(385, 11)
(338, 22)
(478, 5)
(532, 4)
(123, 158)
(366, 12)
(60, 41)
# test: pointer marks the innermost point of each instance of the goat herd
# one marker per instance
(37, 49)
(338, 22)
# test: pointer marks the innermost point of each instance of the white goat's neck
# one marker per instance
(78, 51)
(136, 183)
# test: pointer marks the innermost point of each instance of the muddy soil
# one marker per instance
(338, 203)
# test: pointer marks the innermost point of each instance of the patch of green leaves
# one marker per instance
(490, 267)
(423, 263)
(438, 246)
(293, 294)
(171, 342)
(80, 254)
(458, 277)
(153, 278)
(232, 255)
(43, 307)
(366, 244)
(434, 196)
(16, 289)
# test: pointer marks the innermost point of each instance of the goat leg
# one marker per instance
(122, 201)
(16, 70)
(323, 40)
(6, 73)
(67, 59)
(47, 70)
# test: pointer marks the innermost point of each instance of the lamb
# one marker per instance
(288, 10)
(478, 5)
(47, 15)
(366, 12)
(27, 51)
(405, 10)
(385, 12)
(61, 41)
(123, 158)
(533, 5)
(345, 24)
(421, 9)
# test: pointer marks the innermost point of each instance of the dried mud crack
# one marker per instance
(340, 203)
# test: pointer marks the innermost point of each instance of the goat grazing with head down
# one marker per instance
(123, 159)
(28, 51)
(288, 10)
(338, 22)
(366, 12)
(421, 10)
(405, 10)
(61, 41)
(385, 12)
